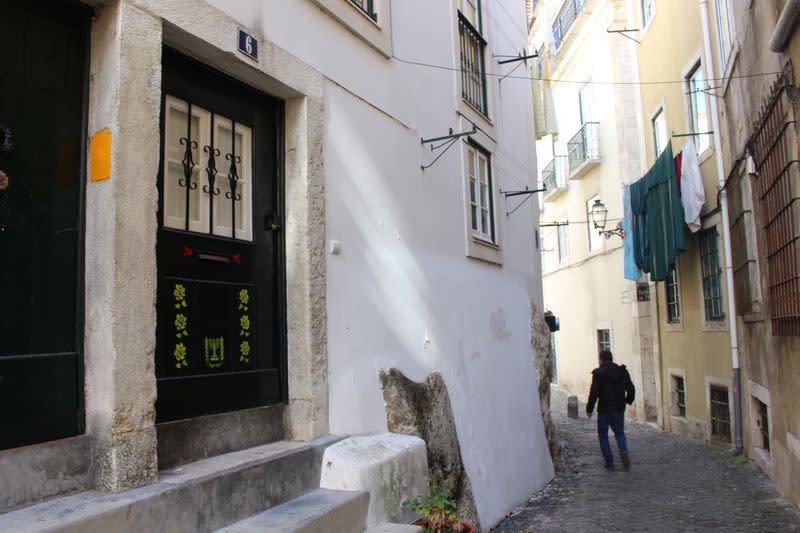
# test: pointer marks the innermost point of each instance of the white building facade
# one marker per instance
(270, 257)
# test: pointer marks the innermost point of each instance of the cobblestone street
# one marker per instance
(675, 484)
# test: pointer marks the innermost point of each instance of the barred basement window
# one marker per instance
(763, 423)
(720, 414)
(673, 297)
(679, 389)
(712, 274)
(473, 48)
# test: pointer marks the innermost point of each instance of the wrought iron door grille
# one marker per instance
(218, 207)
(778, 195)
(720, 414)
(584, 146)
(473, 72)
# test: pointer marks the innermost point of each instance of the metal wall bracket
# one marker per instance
(625, 32)
(449, 140)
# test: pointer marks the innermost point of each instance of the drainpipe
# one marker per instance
(785, 26)
(726, 239)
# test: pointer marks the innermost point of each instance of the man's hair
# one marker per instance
(606, 356)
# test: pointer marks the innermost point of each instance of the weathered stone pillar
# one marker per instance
(307, 412)
(125, 94)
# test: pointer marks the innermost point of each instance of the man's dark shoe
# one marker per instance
(610, 468)
(626, 461)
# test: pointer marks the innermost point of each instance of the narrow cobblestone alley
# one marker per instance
(675, 484)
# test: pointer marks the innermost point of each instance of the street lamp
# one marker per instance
(599, 215)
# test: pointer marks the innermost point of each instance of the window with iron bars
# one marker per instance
(778, 198)
(720, 414)
(712, 274)
(763, 423)
(368, 7)
(673, 297)
(473, 50)
(743, 248)
(679, 389)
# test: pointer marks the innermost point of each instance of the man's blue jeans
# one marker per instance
(617, 423)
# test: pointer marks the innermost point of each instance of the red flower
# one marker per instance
(237, 257)
(187, 251)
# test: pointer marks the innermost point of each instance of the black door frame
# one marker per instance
(281, 328)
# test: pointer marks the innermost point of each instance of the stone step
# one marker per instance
(198, 497)
(319, 511)
(386, 527)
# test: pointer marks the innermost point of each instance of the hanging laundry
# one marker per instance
(658, 218)
(693, 195)
(544, 108)
(678, 162)
(632, 270)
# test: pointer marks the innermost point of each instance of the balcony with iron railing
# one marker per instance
(554, 178)
(565, 19)
(583, 150)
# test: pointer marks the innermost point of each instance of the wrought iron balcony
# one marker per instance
(566, 17)
(554, 177)
(583, 150)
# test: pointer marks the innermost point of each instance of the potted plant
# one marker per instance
(439, 511)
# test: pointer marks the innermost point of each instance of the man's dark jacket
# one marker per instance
(612, 388)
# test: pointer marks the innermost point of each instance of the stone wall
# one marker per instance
(543, 358)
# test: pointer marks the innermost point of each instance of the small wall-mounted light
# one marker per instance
(599, 215)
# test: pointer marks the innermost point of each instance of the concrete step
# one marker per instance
(386, 527)
(319, 511)
(197, 497)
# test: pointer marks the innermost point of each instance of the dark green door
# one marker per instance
(42, 109)
(220, 335)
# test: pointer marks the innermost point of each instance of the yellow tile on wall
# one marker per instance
(100, 155)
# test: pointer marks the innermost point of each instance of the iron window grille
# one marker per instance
(720, 414)
(712, 274)
(473, 68)
(673, 297)
(584, 146)
(763, 424)
(778, 196)
(603, 340)
(743, 260)
(367, 6)
(565, 19)
(680, 395)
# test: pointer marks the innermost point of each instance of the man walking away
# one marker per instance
(611, 389)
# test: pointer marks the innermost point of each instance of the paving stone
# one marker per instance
(675, 484)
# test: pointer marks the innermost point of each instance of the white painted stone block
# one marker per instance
(392, 467)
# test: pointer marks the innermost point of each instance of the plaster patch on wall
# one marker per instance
(499, 326)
